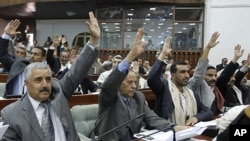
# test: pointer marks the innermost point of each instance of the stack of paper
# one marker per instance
(3, 128)
(156, 135)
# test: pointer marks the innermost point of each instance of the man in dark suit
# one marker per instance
(24, 116)
(15, 67)
(174, 100)
(119, 102)
(222, 65)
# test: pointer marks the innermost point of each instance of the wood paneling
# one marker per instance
(192, 57)
(87, 99)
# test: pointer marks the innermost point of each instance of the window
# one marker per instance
(119, 26)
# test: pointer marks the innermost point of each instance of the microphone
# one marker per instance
(113, 129)
(164, 130)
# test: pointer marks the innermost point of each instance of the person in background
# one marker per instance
(102, 77)
(25, 116)
(227, 80)
(222, 65)
(174, 100)
(119, 102)
(146, 66)
(15, 84)
(96, 67)
(107, 64)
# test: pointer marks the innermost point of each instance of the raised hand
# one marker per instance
(247, 64)
(166, 50)
(213, 40)
(138, 47)
(56, 40)
(11, 27)
(238, 52)
(94, 28)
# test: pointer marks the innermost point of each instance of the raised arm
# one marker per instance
(86, 58)
(154, 76)
(9, 31)
(112, 83)
(200, 69)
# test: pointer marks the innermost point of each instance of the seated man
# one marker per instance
(119, 102)
(26, 116)
(174, 100)
(102, 77)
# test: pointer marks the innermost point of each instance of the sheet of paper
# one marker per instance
(190, 132)
(155, 135)
(206, 123)
(3, 128)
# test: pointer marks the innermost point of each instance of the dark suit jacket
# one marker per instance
(21, 117)
(16, 66)
(219, 67)
(114, 112)
(86, 84)
(164, 104)
(226, 90)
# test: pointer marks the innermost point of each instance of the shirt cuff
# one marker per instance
(6, 36)
(92, 46)
(123, 66)
(52, 48)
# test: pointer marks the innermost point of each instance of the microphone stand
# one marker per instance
(125, 123)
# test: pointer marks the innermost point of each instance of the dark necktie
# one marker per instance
(127, 101)
(47, 125)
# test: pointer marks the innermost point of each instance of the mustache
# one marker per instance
(44, 90)
(213, 81)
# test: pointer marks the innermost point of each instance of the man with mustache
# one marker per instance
(119, 102)
(229, 81)
(174, 100)
(204, 78)
(25, 116)
(15, 82)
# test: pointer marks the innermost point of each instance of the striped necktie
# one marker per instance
(47, 125)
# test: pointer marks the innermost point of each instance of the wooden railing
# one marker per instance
(3, 77)
(86, 99)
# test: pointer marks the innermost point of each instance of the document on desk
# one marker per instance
(156, 135)
(3, 128)
(190, 132)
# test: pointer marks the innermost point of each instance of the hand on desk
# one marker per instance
(191, 121)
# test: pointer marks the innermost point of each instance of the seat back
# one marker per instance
(84, 117)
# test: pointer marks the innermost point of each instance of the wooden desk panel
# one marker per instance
(86, 99)
(3, 77)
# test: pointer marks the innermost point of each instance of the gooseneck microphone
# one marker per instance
(113, 129)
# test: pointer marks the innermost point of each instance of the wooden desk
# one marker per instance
(87, 99)
(3, 77)
(203, 137)
(94, 77)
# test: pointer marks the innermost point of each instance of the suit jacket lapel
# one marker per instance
(30, 116)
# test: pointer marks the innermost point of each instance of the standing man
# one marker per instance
(25, 116)
(174, 100)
